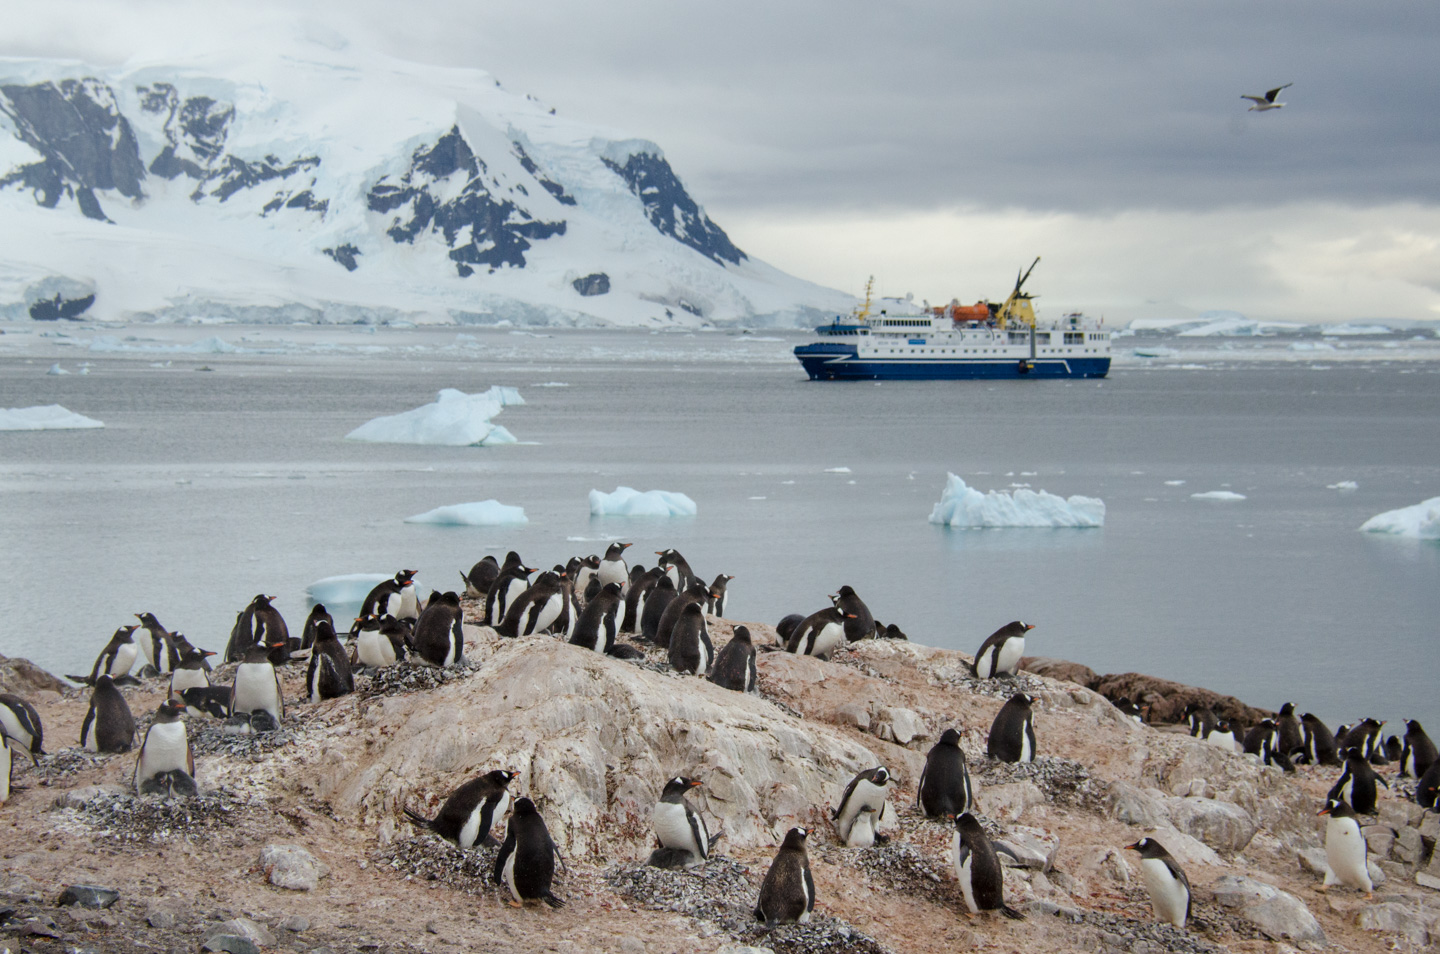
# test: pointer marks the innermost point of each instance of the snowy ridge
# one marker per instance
(321, 183)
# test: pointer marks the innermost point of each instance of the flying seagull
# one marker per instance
(1267, 101)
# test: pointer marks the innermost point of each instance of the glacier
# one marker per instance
(484, 513)
(963, 506)
(47, 417)
(455, 419)
(1420, 521)
(629, 502)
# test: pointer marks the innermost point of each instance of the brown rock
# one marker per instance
(23, 678)
(1167, 700)
(1061, 669)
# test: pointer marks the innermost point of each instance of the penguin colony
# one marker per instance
(589, 602)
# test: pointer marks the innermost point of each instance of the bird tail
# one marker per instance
(1011, 913)
(418, 819)
(553, 901)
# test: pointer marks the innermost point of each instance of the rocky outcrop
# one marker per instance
(23, 678)
(1167, 700)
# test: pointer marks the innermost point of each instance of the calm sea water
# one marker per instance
(207, 487)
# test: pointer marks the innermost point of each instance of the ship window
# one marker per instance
(1074, 337)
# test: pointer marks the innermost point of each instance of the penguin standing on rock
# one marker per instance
(1200, 720)
(156, 644)
(329, 675)
(108, 726)
(735, 666)
(439, 635)
(1290, 734)
(598, 622)
(1427, 789)
(657, 601)
(1000, 654)
(677, 825)
(1419, 752)
(257, 688)
(1222, 736)
(612, 568)
(819, 634)
(535, 609)
(787, 895)
(1356, 784)
(859, 622)
(866, 790)
(677, 569)
(1345, 848)
(526, 863)
(641, 586)
(690, 646)
(166, 765)
(715, 602)
(306, 641)
(481, 577)
(395, 597)
(118, 656)
(1165, 881)
(1012, 734)
(513, 579)
(20, 721)
(270, 629)
(1320, 747)
(977, 867)
(945, 788)
(695, 594)
(470, 812)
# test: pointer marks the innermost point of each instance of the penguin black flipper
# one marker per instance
(845, 798)
(497, 874)
(624, 651)
(85, 726)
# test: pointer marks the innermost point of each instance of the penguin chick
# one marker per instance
(866, 790)
(526, 862)
(787, 895)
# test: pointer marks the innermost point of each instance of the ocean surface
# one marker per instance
(222, 472)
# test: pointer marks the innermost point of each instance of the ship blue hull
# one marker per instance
(839, 362)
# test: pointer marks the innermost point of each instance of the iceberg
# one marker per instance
(629, 502)
(46, 417)
(1422, 521)
(484, 513)
(964, 506)
(456, 419)
(1343, 486)
(1218, 495)
(349, 589)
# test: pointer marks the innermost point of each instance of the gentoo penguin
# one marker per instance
(1427, 789)
(191, 672)
(1363, 735)
(677, 569)
(694, 595)
(1165, 880)
(1345, 848)
(1270, 753)
(118, 655)
(166, 765)
(20, 721)
(257, 686)
(1394, 748)
(209, 700)
(1132, 710)
(735, 665)
(859, 622)
(612, 568)
(1222, 736)
(893, 631)
(1290, 735)
(439, 636)
(156, 644)
(526, 863)
(1000, 654)
(535, 609)
(471, 810)
(1356, 784)
(395, 597)
(481, 576)
(1419, 752)
(1200, 720)
(819, 634)
(1320, 747)
(7, 767)
(379, 642)
(690, 646)
(786, 628)
(599, 622)
(719, 590)
(512, 580)
(657, 601)
(269, 629)
(1012, 734)
(307, 635)
(635, 599)
(677, 825)
(1257, 737)
(945, 788)
(982, 880)
(242, 636)
(582, 571)
(328, 676)
(108, 725)
(787, 895)
(866, 789)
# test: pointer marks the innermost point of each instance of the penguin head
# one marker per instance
(126, 634)
(405, 577)
(795, 839)
(742, 633)
(679, 785)
(616, 551)
(1413, 725)
(523, 807)
(149, 621)
(1337, 808)
(1021, 699)
(1288, 709)
(318, 610)
(880, 776)
(1148, 848)
(501, 777)
(950, 737)
(170, 710)
(105, 679)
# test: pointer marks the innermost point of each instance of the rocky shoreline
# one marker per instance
(297, 841)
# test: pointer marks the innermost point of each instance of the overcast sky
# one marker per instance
(941, 145)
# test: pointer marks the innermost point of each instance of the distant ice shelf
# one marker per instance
(629, 502)
(455, 419)
(46, 417)
(963, 506)
(483, 513)
(1421, 521)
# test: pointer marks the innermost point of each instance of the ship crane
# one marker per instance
(1017, 307)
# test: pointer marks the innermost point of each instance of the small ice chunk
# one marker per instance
(456, 419)
(346, 589)
(1421, 521)
(629, 502)
(1218, 495)
(1343, 485)
(964, 506)
(837, 470)
(484, 513)
(56, 369)
(45, 417)
(1174, 483)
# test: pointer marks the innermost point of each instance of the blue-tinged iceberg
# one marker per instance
(46, 417)
(1421, 521)
(964, 506)
(456, 419)
(346, 589)
(484, 513)
(629, 502)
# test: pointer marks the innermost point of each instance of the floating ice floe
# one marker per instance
(1218, 495)
(1343, 485)
(346, 589)
(837, 470)
(56, 369)
(1174, 483)
(1422, 521)
(456, 419)
(46, 417)
(629, 502)
(964, 506)
(484, 513)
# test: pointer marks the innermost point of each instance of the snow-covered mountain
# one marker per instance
(329, 184)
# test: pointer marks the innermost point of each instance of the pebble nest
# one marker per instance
(1129, 935)
(902, 867)
(210, 737)
(67, 762)
(958, 675)
(126, 818)
(1063, 781)
(407, 677)
(431, 858)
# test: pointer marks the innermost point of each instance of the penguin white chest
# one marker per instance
(374, 649)
(1168, 896)
(471, 829)
(255, 689)
(829, 638)
(5, 756)
(509, 875)
(166, 749)
(1007, 660)
(1027, 748)
(862, 832)
(409, 606)
(545, 614)
(124, 660)
(1222, 740)
(672, 827)
(866, 795)
(182, 679)
(1345, 854)
(10, 722)
(963, 870)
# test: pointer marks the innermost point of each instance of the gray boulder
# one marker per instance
(1278, 914)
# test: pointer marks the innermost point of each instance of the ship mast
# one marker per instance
(1017, 307)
